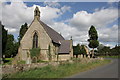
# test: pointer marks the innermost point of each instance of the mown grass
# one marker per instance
(58, 71)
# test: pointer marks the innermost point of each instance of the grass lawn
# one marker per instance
(60, 71)
(8, 61)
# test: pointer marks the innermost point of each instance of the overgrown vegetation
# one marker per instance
(34, 52)
(49, 53)
(60, 71)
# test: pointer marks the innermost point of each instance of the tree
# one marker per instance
(76, 50)
(82, 50)
(23, 30)
(4, 39)
(16, 46)
(9, 46)
(115, 50)
(93, 38)
(101, 46)
(104, 51)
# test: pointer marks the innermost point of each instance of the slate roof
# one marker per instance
(64, 47)
(55, 36)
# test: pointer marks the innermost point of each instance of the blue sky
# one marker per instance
(65, 17)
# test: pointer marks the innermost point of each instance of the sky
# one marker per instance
(67, 18)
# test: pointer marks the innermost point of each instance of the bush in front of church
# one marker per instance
(34, 54)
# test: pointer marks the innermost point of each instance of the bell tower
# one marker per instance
(37, 13)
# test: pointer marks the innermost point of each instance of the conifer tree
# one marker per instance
(93, 38)
(23, 30)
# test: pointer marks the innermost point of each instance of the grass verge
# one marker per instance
(60, 71)
(111, 56)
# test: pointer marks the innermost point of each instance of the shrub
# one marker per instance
(34, 52)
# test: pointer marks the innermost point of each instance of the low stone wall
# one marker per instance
(8, 69)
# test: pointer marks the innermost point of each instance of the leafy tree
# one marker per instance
(82, 50)
(105, 50)
(76, 50)
(4, 39)
(93, 38)
(101, 46)
(23, 30)
(115, 50)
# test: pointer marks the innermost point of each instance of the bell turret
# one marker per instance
(37, 13)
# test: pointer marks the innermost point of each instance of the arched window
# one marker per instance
(35, 40)
(36, 13)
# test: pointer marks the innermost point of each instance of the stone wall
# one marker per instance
(8, 69)
(64, 57)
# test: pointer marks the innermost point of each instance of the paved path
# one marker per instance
(107, 71)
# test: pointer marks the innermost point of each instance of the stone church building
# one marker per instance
(40, 35)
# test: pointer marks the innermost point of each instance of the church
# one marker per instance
(50, 42)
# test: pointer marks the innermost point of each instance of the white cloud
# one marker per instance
(16, 14)
(83, 19)
(0, 11)
(111, 45)
(67, 31)
(11, 30)
(52, 4)
(101, 18)
(65, 8)
(48, 14)
(112, 1)
(108, 34)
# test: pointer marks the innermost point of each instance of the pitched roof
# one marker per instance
(55, 36)
(65, 46)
